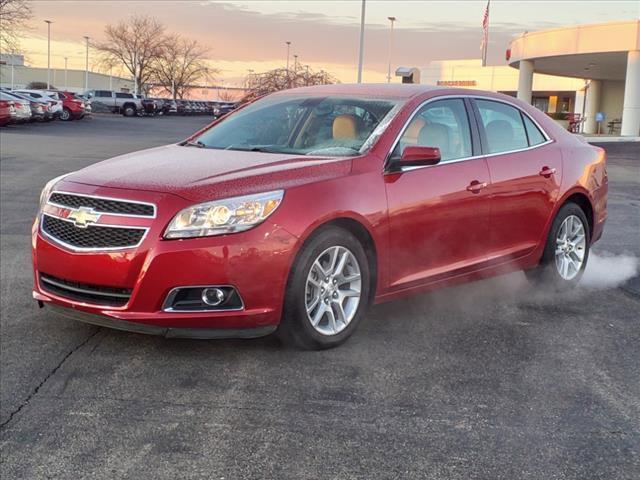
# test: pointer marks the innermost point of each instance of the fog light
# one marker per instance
(212, 296)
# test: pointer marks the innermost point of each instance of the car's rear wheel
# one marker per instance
(328, 291)
(566, 251)
(65, 115)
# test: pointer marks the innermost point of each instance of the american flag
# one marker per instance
(485, 33)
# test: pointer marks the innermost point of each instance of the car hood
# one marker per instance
(202, 174)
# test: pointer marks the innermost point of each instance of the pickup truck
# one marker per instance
(117, 102)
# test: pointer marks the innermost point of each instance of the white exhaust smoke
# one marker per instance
(606, 270)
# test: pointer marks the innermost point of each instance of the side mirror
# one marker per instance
(418, 156)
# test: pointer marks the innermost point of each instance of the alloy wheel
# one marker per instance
(571, 245)
(333, 290)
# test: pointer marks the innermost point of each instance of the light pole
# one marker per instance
(288, 48)
(66, 83)
(86, 64)
(392, 20)
(48, 22)
(361, 51)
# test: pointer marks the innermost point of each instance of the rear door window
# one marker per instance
(503, 126)
(533, 133)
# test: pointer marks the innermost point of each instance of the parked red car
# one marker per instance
(7, 112)
(299, 210)
(72, 106)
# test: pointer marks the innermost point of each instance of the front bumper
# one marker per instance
(168, 332)
(256, 263)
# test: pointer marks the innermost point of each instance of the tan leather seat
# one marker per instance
(345, 127)
(499, 136)
(436, 135)
(412, 132)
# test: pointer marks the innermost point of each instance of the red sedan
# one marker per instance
(72, 106)
(7, 112)
(299, 210)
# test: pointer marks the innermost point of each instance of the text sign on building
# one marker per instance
(457, 83)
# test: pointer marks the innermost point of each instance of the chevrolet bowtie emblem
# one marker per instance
(83, 216)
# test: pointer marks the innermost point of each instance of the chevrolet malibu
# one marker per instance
(299, 210)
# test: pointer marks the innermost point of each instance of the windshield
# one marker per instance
(303, 125)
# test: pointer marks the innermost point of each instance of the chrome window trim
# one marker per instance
(100, 197)
(91, 249)
(463, 159)
(173, 292)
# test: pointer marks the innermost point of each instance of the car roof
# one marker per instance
(41, 92)
(391, 90)
(13, 93)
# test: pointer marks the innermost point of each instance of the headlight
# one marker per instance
(224, 216)
(48, 188)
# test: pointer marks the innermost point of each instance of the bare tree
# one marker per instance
(227, 95)
(136, 43)
(180, 65)
(259, 84)
(14, 15)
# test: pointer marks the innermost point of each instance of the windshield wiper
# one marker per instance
(197, 144)
(263, 149)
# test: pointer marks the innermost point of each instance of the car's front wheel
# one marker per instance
(327, 292)
(566, 251)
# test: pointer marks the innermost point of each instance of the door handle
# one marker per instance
(547, 172)
(476, 186)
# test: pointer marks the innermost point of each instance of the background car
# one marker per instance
(116, 102)
(7, 112)
(149, 105)
(184, 107)
(223, 108)
(22, 107)
(170, 107)
(55, 104)
(38, 108)
(73, 107)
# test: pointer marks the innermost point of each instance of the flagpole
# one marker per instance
(485, 45)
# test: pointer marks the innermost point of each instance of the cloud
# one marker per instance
(322, 33)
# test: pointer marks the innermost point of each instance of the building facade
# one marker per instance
(16, 75)
(605, 55)
(557, 96)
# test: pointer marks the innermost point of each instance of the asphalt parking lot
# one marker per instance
(490, 380)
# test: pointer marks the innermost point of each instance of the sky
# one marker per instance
(251, 35)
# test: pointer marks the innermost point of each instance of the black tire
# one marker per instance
(65, 115)
(128, 111)
(295, 328)
(547, 273)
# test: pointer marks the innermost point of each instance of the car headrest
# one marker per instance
(499, 134)
(435, 135)
(412, 133)
(345, 127)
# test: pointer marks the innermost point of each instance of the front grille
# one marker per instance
(92, 236)
(102, 205)
(85, 292)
